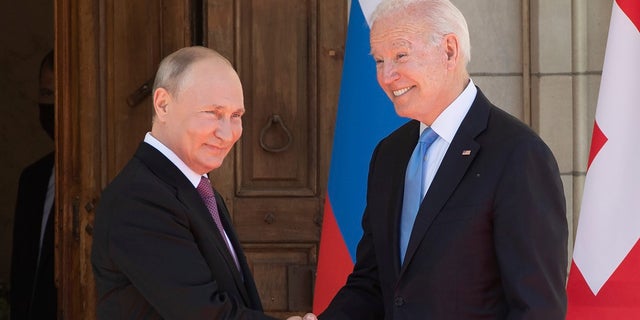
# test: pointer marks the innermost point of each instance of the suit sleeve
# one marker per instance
(530, 229)
(361, 297)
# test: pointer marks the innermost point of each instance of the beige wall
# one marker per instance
(541, 61)
(27, 35)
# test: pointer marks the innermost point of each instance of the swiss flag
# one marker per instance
(604, 280)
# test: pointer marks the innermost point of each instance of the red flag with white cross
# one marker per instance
(604, 280)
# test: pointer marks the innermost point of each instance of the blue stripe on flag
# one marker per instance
(365, 115)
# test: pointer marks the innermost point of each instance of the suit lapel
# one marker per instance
(459, 156)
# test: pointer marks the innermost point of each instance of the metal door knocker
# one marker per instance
(273, 121)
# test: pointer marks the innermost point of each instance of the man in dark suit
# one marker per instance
(489, 238)
(33, 292)
(163, 245)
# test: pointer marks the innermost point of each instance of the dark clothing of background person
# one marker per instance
(33, 293)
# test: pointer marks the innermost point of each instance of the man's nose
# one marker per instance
(224, 131)
(388, 73)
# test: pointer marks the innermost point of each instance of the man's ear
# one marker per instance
(452, 49)
(161, 100)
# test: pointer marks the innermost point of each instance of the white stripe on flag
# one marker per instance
(368, 6)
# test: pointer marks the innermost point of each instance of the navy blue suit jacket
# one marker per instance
(490, 237)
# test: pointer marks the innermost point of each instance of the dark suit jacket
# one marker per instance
(490, 238)
(157, 253)
(33, 292)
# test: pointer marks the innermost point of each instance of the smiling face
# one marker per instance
(202, 121)
(419, 76)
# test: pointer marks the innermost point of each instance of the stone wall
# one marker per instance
(541, 60)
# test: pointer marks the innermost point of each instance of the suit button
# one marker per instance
(399, 301)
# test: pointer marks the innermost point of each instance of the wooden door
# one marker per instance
(106, 51)
(289, 56)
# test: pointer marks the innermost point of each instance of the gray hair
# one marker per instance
(440, 16)
(174, 67)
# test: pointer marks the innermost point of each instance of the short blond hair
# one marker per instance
(174, 67)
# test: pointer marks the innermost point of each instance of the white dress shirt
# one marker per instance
(446, 126)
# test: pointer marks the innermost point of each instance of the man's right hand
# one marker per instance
(308, 316)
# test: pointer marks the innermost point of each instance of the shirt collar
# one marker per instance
(448, 122)
(193, 177)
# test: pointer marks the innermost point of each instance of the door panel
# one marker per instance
(277, 219)
(131, 59)
(278, 150)
(284, 276)
(288, 54)
(138, 34)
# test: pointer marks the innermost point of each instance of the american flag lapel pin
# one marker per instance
(466, 152)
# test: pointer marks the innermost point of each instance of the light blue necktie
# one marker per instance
(414, 188)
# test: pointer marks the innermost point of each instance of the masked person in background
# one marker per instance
(33, 293)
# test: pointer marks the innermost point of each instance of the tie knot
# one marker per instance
(428, 136)
(204, 188)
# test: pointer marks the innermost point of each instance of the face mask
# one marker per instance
(47, 118)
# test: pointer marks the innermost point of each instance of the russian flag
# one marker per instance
(604, 282)
(365, 116)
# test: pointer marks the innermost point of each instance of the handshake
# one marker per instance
(308, 316)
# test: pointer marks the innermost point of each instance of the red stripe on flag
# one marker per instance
(632, 9)
(334, 262)
(619, 298)
(598, 140)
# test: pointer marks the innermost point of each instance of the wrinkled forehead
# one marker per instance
(388, 33)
